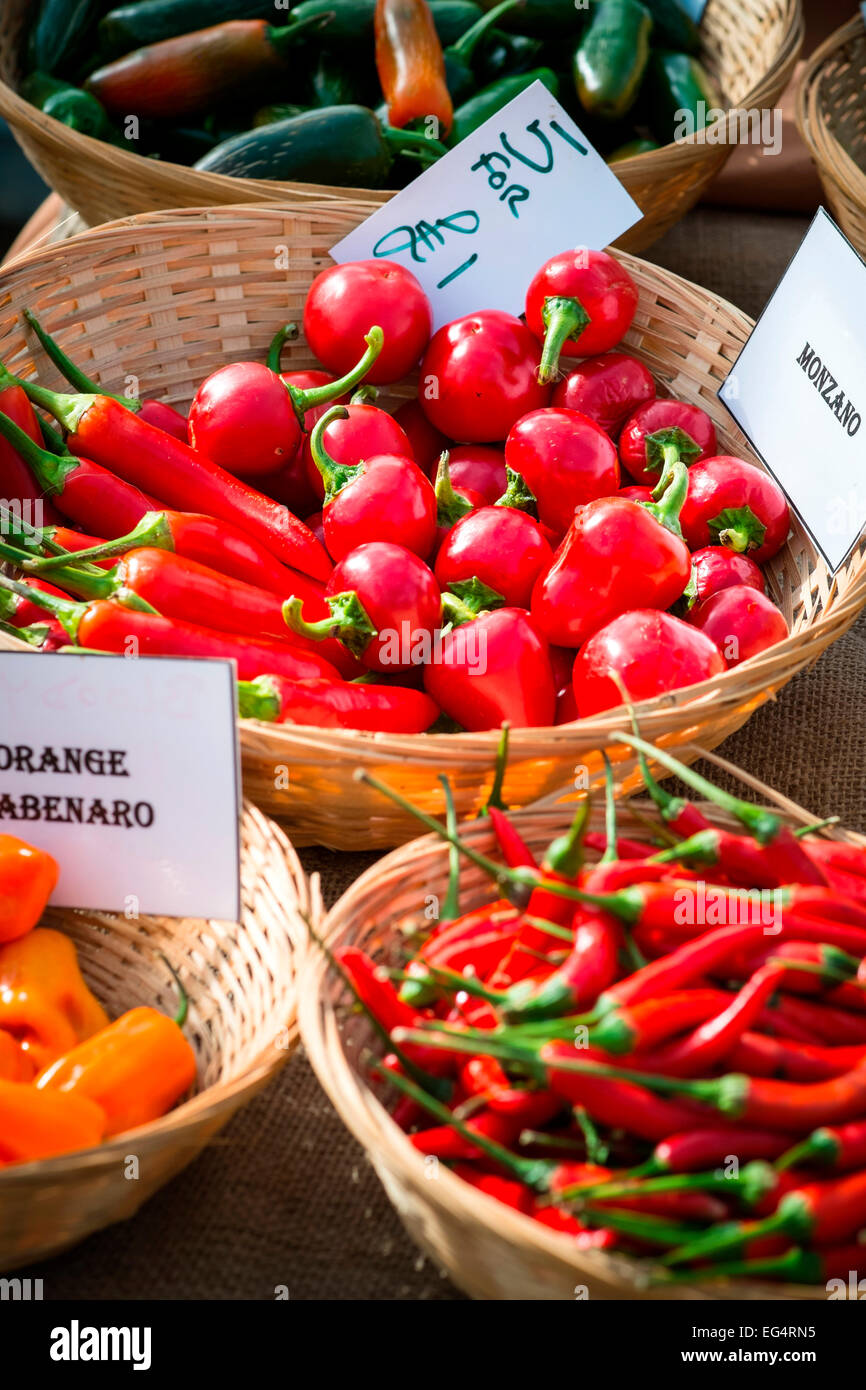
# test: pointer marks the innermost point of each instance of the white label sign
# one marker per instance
(477, 224)
(126, 770)
(798, 388)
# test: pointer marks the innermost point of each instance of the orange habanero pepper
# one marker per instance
(39, 1124)
(27, 879)
(44, 1001)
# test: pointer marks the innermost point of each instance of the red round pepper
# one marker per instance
(345, 300)
(741, 621)
(502, 547)
(493, 668)
(650, 652)
(566, 460)
(479, 375)
(716, 567)
(363, 432)
(731, 502)
(425, 441)
(662, 429)
(578, 304)
(608, 389)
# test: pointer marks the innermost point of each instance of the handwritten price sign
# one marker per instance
(476, 225)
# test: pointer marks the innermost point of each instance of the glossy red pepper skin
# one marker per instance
(326, 704)
(608, 389)
(604, 291)
(410, 64)
(389, 499)
(790, 1061)
(425, 441)
(479, 375)
(17, 483)
(616, 557)
(365, 432)
(350, 299)
(189, 481)
(165, 417)
(22, 612)
(506, 1190)
(663, 415)
(650, 652)
(741, 621)
(566, 460)
(716, 567)
(731, 502)
(401, 598)
(480, 468)
(494, 668)
(502, 547)
(109, 627)
(620, 1104)
(696, 1149)
(243, 419)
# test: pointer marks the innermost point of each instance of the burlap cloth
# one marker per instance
(286, 1197)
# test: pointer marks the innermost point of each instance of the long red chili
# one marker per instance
(379, 708)
(101, 429)
(832, 1146)
(411, 64)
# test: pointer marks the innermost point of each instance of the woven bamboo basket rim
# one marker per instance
(665, 182)
(176, 282)
(271, 975)
(368, 914)
(835, 164)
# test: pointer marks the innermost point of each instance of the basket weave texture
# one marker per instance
(750, 46)
(831, 116)
(241, 983)
(167, 298)
(488, 1250)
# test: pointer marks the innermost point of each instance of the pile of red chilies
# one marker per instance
(534, 532)
(662, 1052)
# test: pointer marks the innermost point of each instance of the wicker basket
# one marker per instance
(488, 1250)
(171, 297)
(831, 116)
(750, 45)
(241, 987)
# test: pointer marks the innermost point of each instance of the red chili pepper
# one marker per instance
(641, 1027)
(832, 1146)
(104, 625)
(491, 668)
(479, 376)
(645, 652)
(382, 603)
(325, 704)
(578, 304)
(741, 621)
(717, 567)
(662, 430)
(625, 847)
(157, 413)
(361, 293)
(592, 965)
(566, 460)
(607, 389)
(558, 1219)
(794, 1266)
(792, 1061)
(411, 65)
(20, 611)
(444, 1142)
(696, 1149)
(189, 74)
(16, 480)
(837, 854)
(425, 441)
(506, 1190)
(620, 1104)
(514, 848)
(820, 1213)
(125, 444)
(503, 547)
(617, 556)
(835, 1027)
(733, 503)
(383, 498)
(478, 468)
(363, 432)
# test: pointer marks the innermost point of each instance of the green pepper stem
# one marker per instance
(732, 1237)
(623, 904)
(288, 333)
(518, 495)
(465, 46)
(68, 614)
(315, 396)
(450, 505)
(49, 471)
(763, 825)
(349, 622)
(667, 510)
(796, 1266)
(565, 854)
(67, 410)
(451, 905)
(259, 699)
(282, 38)
(821, 1146)
(564, 318)
(183, 1007)
(73, 374)
(610, 817)
(412, 142)
(334, 475)
(655, 1230)
(500, 766)
(153, 530)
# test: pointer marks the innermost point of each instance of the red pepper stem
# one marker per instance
(495, 796)
(451, 905)
(69, 614)
(518, 495)
(349, 622)
(675, 482)
(450, 506)
(73, 374)
(315, 396)
(762, 824)
(154, 530)
(288, 333)
(610, 817)
(754, 1183)
(624, 904)
(565, 854)
(735, 1237)
(563, 317)
(259, 699)
(49, 471)
(821, 1146)
(183, 1007)
(534, 1172)
(796, 1266)
(703, 846)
